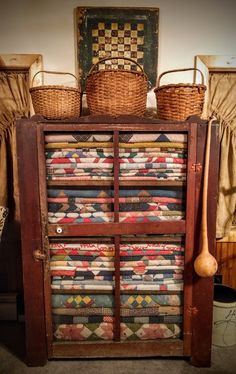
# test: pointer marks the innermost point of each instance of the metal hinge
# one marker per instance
(39, 255)
(196, 167)
(191, 310)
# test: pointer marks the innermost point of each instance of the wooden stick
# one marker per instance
(205, 264)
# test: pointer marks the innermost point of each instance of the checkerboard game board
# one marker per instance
(116, 39)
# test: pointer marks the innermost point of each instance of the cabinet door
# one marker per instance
(116, 230)
(122, 182)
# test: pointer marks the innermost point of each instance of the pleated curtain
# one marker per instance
(14, 103)
(222, 105)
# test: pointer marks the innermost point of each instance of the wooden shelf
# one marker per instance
(129, 239)
(149, 348)
(116, 228)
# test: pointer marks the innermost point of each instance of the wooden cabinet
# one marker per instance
(110, 222)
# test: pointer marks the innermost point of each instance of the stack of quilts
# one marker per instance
(82, 266)
(152, 266)
(149, 156)
(91, 317)
(97, 205)
(88, 156)
(90, 266)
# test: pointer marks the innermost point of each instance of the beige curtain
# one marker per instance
(14, 103)
(222, 105)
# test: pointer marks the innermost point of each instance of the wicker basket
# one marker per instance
(56, 102)
(179, 101)
(116, 91)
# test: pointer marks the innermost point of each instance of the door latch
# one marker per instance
(39, 255)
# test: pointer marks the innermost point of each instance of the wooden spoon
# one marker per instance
(205, 264)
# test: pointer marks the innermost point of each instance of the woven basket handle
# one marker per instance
(53, 72)
(176, 71)
(115, 58)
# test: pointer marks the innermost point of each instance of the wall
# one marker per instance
(187, 28)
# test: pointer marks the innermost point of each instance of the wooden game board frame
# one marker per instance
(85, 17)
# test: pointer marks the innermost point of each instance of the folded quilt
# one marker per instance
(70, 319)
(147, 258)
(106, 137)
(132, 280)
(149, 177)
(123, 247)
(135, 161)
(81, 332)
(87, 175)
(94, 311)
(101, 219)
(125, 260)
(97, 207)
(158, 310)
(107, 301)
(135, 145)
(104, 331)
(146, 216)
(170, 192)
(109, 165)
(177, 286)
(108, 153)
(109, 200)
(110, 214)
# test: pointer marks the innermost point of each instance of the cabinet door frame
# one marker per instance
(199, 293)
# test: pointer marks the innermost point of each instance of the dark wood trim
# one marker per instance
(116, 171)
(110, 349)
(125, 121)
(112, 126)
(203, 287)
(117, 289)
(116, 166)
(116, 228)
(189, 239)
(36, 348)
(45, 240)
(198, 292)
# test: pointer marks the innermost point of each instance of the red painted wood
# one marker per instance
(117, 237)
(203, 287)
(163, 347)
(170, 227)
(31, 241)
(116, 172)
(45, 241)
(197, 292)
(117, 289)
(189, 238)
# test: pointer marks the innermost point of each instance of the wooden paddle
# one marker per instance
(205, 264)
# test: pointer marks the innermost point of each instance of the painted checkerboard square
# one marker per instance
(117, 33)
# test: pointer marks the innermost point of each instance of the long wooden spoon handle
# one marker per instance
(204, 226)
(205, 264)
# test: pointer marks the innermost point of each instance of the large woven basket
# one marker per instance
(116, 91)
(179, 101)
(56, 102)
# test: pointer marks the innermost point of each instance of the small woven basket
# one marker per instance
(56, 102)
(179, 101)
(116, 91)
